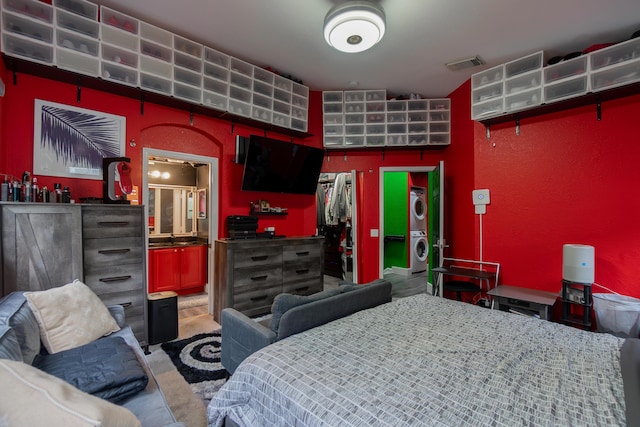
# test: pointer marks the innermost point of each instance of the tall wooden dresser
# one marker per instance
(250, 273)
(48, 245)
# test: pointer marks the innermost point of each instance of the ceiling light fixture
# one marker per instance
(354, 26)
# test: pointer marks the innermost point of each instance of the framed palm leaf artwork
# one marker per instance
(71, 142)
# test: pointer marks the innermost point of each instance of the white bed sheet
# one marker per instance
(429, 361)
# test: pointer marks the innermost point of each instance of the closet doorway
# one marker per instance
(396, 234)
(337, 221)
(205, 210)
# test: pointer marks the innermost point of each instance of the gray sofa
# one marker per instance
(291, 314)
(20, 340)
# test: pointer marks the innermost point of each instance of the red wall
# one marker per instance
(567, 178)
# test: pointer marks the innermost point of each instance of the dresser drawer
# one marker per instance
(104, 222)
(298, 271)
(113, 251)
(301, 252)
(256, 301)
(254, 257)
(133, 303)
(250, 279)
(116, 278)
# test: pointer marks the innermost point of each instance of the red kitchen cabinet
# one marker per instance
(193, 266)
(166, 272)
(180, 268)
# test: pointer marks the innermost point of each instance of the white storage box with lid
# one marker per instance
(617, 314)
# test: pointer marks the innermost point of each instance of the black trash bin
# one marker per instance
(163, 317)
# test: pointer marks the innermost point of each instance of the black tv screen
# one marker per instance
(278, 166)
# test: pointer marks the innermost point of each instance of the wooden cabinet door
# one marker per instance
(193, 261)
(41, 246)
(167, 269)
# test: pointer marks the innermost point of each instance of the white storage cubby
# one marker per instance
(81, 8)
(98, 41)
(616, 65)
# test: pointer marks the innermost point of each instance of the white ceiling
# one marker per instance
(422, 35)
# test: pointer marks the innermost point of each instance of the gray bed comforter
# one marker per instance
(107, 368)
(428, 361)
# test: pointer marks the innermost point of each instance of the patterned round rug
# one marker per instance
(198, 361)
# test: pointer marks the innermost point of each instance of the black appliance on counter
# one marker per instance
(242, 227)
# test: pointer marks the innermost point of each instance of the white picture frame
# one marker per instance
(71, 142)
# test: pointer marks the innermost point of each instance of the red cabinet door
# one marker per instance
(150, 273)
(167, 269)
(193, 260)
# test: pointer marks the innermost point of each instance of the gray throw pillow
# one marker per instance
(284, 302)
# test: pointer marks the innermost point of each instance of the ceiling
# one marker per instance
(421, 36)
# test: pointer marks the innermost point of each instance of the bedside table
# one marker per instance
(532, 300)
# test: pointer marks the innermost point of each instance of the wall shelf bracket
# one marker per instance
(79, 91)
(233, 127)
(488, 130)
(191, 117)
(518, 126)
(345, 155)
(383, 154)
(598, 108)
(142, 103)
(15, 76)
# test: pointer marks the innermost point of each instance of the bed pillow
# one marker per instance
(30, 397)
(70, 316)
(285, 302)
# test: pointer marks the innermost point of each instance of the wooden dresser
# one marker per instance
(48, 245)
(250, 273)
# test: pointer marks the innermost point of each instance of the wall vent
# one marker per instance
(464, 63)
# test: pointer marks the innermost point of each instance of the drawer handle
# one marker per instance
(259, 257)
(304, 288)
(126, 304)
(113, 251)
(305, 253)
(260, 298)
(112, 223)
(263, 277)
(115, 279)
(302, 271)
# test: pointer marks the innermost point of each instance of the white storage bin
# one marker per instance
(299, 113)
(187, 61)
(156, 66)
(487, 93)
(617, 314)
(27, 48)
(483, 78)
(353, 129)
(332, 96)
(353, 118)
(418, 139)
(180, 44)
(78, 24)
(417, 104)
(216, 86)
(439, 116)
(397, 128)
(376, 95)
(240, 80)
(78, 7)
(120, 38)
(239, 108)
(262, 75)
(297, 124)
(354, 107)
(523, 83)
(77, 62)
(214, 100)
(397, 139)
(188, 77)
(282, 107)
(216, 72)
(239, 94)
(119, 74)
(566, 69)
(241, 67)
(417, 116)
(284, 95)
(331, 108)
(439, 104)
(155, 84)
(376, 118)
(281, 120)
(282, 83)
(115, 19)
(119, 56)
(261, 114)
(379, 107)
(156, 35)
(333, 141)
(188, 93)
(565, 89)
(354, 141)
(623, 74)
(353, 96)
(523, 100)
(78, 43)
(300, 90)
(439, 127)
(375, 140)
(376, 129)
(332, 119)
(32, 29)
(264, 102)
(616, 54)
(523, 65)
(396, 117)
(333, 130)
(156, 51)
(489, 109)
(214, 57)
(299, 101)
(32, 8)
(418, 128)
(396, 106)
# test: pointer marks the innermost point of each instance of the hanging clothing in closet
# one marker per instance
(339, 209)
(321, 202)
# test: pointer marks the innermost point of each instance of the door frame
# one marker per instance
(408, 169)
(212, 204)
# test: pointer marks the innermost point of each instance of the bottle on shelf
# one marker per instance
(35, 191)
(66, 195)
(58, 192)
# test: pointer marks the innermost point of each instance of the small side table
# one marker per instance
(532, 300)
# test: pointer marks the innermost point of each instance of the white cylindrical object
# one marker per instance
(578, 263)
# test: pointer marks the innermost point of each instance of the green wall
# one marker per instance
(396, 218)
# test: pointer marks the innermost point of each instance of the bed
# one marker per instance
(425, 360)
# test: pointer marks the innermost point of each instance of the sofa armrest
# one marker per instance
(241, 337)
(117, 311)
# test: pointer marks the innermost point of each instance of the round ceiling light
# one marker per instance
(354, 26)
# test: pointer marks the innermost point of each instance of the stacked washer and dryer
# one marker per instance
(418, 244)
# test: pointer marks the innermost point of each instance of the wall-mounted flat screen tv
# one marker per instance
(278, 166)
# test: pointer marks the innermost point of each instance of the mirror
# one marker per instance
(202, 203)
